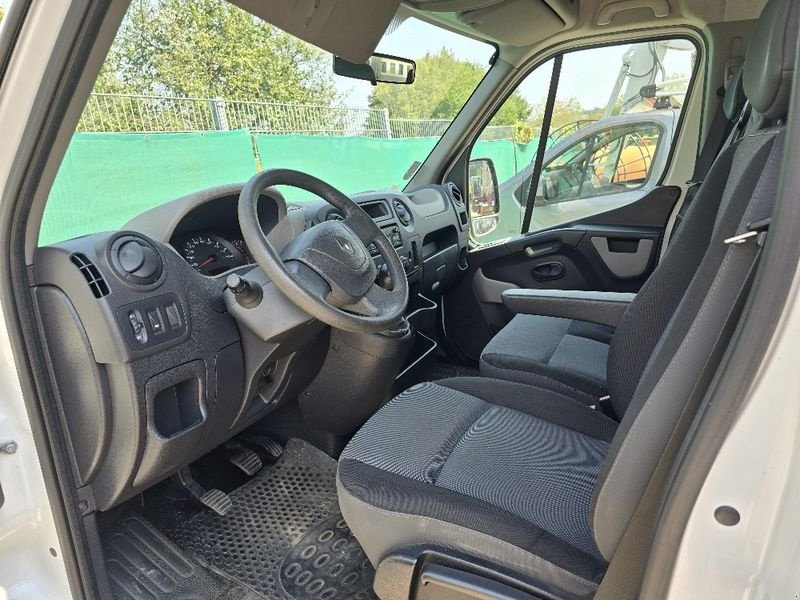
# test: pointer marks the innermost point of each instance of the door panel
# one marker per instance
(613, 251)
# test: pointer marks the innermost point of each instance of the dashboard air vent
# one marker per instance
(402, 213)
(91, 274)
(458, 198)
(135, 259)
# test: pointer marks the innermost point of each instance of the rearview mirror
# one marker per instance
(381, 68)
(484, 197)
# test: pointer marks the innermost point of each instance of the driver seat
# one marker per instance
(506, 482)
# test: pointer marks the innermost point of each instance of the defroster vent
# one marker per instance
(91, 274)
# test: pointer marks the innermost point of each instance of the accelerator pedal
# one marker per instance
(266, 443)
(215, 499)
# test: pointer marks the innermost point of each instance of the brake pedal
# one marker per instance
(215, 499)
(248, 461)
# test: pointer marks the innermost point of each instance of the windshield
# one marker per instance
(199, 93)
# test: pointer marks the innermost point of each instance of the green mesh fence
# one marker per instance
(106, 179)
(351, 164)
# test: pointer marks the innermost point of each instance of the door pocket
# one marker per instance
(625, 258)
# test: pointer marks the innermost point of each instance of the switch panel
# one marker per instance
(152, 321)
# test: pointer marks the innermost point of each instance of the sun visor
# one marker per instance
(521, 22)
(347, 28)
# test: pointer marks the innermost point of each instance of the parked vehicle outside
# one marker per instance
(600, 166)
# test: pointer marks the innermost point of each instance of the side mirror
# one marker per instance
(549, 186)
(381, 68)
(484, 197)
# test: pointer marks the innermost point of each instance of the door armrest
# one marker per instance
(604, 308)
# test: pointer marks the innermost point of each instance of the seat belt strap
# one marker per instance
(715, 140)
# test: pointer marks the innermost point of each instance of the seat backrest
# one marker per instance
(647, 316)
(743, 177)
(734, 113)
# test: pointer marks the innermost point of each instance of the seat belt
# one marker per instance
(625, 573)
(720, 130)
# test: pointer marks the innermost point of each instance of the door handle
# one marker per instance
(548, 271)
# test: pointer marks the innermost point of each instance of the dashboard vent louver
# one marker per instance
(91, 274)
(134, 259)
(458, 198)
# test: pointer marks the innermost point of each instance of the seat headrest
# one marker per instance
(769, 65)
(734, 99)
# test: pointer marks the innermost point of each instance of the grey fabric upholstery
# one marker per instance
(494, 467)
(602, 308)
(648, 315)
(564, 355)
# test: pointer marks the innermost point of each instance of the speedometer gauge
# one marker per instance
(209, 254)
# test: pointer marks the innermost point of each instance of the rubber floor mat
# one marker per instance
(143, 565)
(284, 537)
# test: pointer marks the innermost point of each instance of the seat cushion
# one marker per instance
(497, 470)
(564, 355)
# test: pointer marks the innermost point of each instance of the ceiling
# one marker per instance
(346, 28)
(524, 23)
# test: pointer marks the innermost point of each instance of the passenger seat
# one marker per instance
(572, 355)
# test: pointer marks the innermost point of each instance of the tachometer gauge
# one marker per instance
(209, 254)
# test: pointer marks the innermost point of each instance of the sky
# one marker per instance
(588, 76)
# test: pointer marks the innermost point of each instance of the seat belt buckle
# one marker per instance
(601, 402)
(756, 229)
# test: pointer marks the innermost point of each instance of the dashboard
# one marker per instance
(428, 228)
(154, 371)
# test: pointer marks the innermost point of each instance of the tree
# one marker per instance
(210, 48)
(565, 112)
(443, 84)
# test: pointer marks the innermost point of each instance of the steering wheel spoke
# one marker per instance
(312, 282)
(375, 302)
(362, 230)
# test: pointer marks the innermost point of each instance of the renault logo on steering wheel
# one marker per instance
(345, 245)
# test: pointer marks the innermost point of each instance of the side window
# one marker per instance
(615, 112)
(612, 161)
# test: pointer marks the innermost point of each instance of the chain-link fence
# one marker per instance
(128, 113)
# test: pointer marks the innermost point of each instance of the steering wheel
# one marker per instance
(327, 270)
